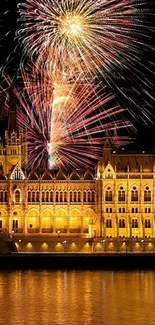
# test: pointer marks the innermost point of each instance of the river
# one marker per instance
(77, 297)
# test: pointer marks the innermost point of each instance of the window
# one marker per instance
(5, 196)
(134, 194)
(57, 196)
(108, 210)
(134, 210)
(51, 196)
(29, 196)
(93, 196)
(74, 196)
(108, 194)
(65, 196)
(13, 139)
(79, 196)
(17, 196)
(147, 194)
(37, 196)
(121, 223)
(47, 196)
(121, 194)
(121, 210)
(33, 196)
(43, 196)
(61, 196)
(108, 223)
(134, 223)
(15, 224)
(89, 196)
(147, 210)
(1, 196)
(84, 196)
(147, 223)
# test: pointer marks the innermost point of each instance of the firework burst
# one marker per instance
(73, 132)
(89, 35)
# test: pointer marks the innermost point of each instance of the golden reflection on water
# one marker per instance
(77, 297)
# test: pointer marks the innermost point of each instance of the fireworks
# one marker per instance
(90, 35)
(72, 136)
(70, 44)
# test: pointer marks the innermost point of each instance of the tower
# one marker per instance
(13, 141)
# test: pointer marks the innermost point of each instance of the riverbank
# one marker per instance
(106, 261)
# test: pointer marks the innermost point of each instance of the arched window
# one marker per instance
(51, 196)
(93, 196)
(17, 196)
(43, 196)
(33, 196)
(134, 223)
(61, 196)
(121, 223)
(1, 196)
(147, 194)
(57, 196)
(37, 196)
(134, 194)
(108, 223)
(13, 139)
(121, 194)
(29, 196)
(65, 196)
(89, 196)
(108, 194)
(84, 196)
(14, 224)
(47, 196)
(5, 196)
(79, 196)
(75, 196)
(147, 223)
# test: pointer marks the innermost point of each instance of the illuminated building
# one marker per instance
(115, 202)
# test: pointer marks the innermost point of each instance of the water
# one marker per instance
(77, 297)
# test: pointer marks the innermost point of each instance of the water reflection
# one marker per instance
(77, 297)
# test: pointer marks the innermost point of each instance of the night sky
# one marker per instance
(123, 80)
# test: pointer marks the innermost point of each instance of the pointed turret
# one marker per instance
(106, 149)
(12, 121)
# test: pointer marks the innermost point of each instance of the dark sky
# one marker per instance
(124, 81)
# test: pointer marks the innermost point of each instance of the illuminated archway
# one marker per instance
(61, 221)
(75, 224)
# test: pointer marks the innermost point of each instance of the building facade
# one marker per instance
(113, 203)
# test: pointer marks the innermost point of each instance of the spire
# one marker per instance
(107, 148)
(12, 122)
(107, 144)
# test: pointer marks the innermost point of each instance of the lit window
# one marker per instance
(17, 196)
(134, 194)
(121, 210)
(134, 223)
(147, 223)
(147, 194)
(121, 223)
(108, 194)
(121, 194)
(108, 223)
